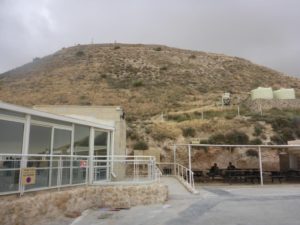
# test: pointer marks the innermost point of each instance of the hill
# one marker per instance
(144, 79)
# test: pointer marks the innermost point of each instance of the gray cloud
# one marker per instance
(266, 32)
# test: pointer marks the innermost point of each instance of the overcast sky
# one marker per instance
(266, 32)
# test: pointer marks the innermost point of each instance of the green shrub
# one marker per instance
(258, 129)
(116, 47)
(157, 49)
(277, 139)
(255, 141)
(280, 123)
(140, 145)
(237, 137)
(204, 141)
(130, 133)
(179, 117)
(192, 56)
(163, 68)
(287, 134)
(137, 83)
(217, 139)
(188, 132)
(252, 153)
(80, 53)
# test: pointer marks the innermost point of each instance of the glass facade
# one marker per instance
(49, 146)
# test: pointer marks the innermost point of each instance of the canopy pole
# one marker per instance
(190, 164)
(260, 167)
(174, 155)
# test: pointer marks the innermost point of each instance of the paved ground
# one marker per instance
(231, 205)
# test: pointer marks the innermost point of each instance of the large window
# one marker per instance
(40, 140)
(11, 137)
(62, 142)
(100, 143)
(81, 140)
(11, 141)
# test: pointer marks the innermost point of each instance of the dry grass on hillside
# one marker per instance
(145, 79)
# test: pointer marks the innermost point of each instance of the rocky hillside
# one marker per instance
(145, 79)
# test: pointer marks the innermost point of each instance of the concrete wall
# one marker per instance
(104, 113)
(31, 208)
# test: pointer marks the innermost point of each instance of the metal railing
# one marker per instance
(55, 171)
(182, 173)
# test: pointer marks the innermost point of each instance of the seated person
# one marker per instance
(230, 166)
(230, 171)
(214, 170)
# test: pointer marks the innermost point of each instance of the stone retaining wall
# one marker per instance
(267, 104)
(29, 209)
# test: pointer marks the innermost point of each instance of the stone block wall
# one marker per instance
(267, 104)
(32, 207)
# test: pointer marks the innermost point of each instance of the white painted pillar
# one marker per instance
(91, 155)
(26, 134)
(51, 158)
(174, 155)
(260, 167)
(108, 156)
(72, 153)
(25, 149)
(112, 150)
(190, 164)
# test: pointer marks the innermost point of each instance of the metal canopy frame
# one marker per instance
(259, 147)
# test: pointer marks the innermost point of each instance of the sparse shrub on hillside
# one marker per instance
(263, 136)
(103, 76)
(217, 139)
(137, 83)
(163, 68)
(80, 53)
(84, 100)
(132, 134)
(141, 145)
(179, 117)
(287, 134)
(280, 123)
(157, 49)
(277, 139)
(258, 129)
(192, 56)
(297, 131)
(252, 153)
(189, 132)
(116, 47)
(237, 137)
(255, 141)
(161, 132)
(147, 130)
(204, 141)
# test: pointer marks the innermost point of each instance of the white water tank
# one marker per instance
(285, 93)
(262, 93)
